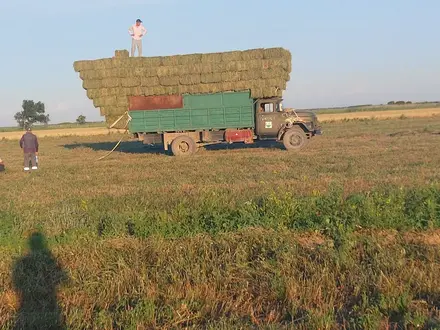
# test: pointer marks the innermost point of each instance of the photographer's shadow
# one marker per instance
(36, 277)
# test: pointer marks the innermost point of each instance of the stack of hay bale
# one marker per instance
(109, 82)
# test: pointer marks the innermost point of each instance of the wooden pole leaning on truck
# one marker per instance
(120, 140)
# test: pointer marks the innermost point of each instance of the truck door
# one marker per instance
(267, 123)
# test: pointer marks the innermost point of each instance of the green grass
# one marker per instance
(344, 234)
(55, 126)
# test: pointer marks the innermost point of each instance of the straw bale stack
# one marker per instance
(110, 81)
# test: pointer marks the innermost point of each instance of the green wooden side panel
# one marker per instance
(206, 111)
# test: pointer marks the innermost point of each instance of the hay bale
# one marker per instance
(147, 91)
(130, 82)
(90, 74)
(206, 68)
(270, 92)
(166, 71)
(145, 72)
(227, 87)
(149, 81)
(169, 81)
(92, 93)
(190, 59)
(253, 54)
(136, 62)
(102, 111)
(279, 63)
(231, 66)
(124, 91)
(83, 65)
(98, 102)
(256, 93)
(218, 67)
(250, 75)
(211, 78)
(211, 58)
(159, 90)
(242, 85)
(104, 92)
(190, 69)
(276, 52)
(111, 119)
(122, 53)
(111, 82)
(231, 76)
(102, 64)
(92, 84)
(118, 63)
(231, 56)
(208, 88)
(243, 66)
(134, 91)
(275, 73)
(122, 101)
(106, 101)
(182, 70)
(170, 60)
(276, 82)
(172, 90)
(185, 89)
(192, 79)
(149, 62)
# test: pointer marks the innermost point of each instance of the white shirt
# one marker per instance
(138, 31)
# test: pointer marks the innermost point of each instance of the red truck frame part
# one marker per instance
(186, 122)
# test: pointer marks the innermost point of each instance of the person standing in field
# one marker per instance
(29, 144)
(137, 31)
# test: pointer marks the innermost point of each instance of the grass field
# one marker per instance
(343, 235)
(53, 127)
(380, 108)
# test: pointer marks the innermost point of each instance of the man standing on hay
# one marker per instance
(137, 31)
(29, 144)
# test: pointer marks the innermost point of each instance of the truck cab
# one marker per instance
(294, 128)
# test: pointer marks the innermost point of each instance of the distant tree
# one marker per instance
(391, 103)
(400, 102)
(32, 113)
(81, 120)
(408, 102)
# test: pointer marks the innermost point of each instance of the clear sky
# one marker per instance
(344, 52)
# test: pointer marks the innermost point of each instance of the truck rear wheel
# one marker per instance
(295, 139)
(183, 146)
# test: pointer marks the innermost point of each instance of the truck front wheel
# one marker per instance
(183, 146)
(295, 139)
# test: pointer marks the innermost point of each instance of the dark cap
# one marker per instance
(138, 20)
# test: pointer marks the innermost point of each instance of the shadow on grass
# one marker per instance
(36, 277)
(135, 147)
(129, 147)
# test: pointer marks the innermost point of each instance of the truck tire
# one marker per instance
(183, 146)
(295, 139)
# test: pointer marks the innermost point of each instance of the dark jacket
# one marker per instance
(29, 143)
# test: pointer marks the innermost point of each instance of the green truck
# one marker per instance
(183, 123)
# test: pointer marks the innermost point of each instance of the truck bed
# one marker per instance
(199, 112)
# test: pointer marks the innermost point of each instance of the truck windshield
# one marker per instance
(268, 107)
(271, 107)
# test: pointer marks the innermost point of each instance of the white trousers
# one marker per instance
(136, 44)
